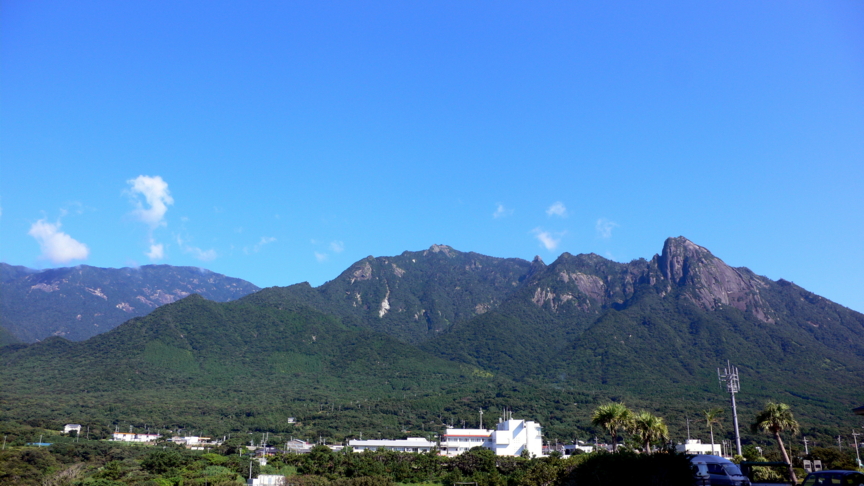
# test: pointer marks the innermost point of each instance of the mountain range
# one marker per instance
(80, 302)
(412, 341)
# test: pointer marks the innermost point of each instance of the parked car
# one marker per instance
(834, 478)
(716, 471)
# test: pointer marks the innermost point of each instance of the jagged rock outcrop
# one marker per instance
(707, 280)
(591, 282)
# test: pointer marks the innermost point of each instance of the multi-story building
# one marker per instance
(457, 441)
(510, 438)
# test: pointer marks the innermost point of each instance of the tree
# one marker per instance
(612, 416)
(712, 417)
(648, 428)
(776, 418)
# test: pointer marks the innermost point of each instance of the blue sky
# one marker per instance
(279, 142)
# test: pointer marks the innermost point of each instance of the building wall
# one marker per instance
(695, 446)
(510, 438)
(131, 437)
(412, 444)
(457, 441)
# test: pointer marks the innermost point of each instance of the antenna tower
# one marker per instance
(729, 377)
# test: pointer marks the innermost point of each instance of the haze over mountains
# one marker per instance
(80, 302)
(437, 333)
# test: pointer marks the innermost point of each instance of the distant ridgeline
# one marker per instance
(404, 344)
(80, 302)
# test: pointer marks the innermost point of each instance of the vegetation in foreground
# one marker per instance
(73, 461)
(100, 463)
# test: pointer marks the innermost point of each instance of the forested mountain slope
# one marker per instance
(220, 365)
(413, 296)
(661, 328)
(459, 332)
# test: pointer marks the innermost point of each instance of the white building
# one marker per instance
(457, 441)
(133, 437)
(510, 438)
(411, 444)
(72, 427)
(193, 440)
(695, 446)
(267, 480)
(298, 446)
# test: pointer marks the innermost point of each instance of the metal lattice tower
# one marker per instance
(729, 377)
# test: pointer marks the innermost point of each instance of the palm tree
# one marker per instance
(712, 417)
(776, 418)
(613, 416)
(649, 428)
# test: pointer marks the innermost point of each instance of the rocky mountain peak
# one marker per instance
(707, 280)
(679, 256)
(445, 249)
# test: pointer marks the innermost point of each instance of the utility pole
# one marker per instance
(857, 454)
(806, 451)
(839, 444)
(481, 418)
(688, 427)
(733, 386)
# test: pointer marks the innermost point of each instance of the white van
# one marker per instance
(716, 471)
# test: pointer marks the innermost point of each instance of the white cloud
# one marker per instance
(604, 227)
(56, 245)
(157, 252)
(548, 239)
(337, 246)
(203, 255)
(156, 195)
(265, 240)
(557, 209)
(321, 257)
(501, 211)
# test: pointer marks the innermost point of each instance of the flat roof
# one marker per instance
(412, 442)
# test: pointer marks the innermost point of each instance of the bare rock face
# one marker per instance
(445, 249)
(590, 282)
(709, 281)
(362, 271)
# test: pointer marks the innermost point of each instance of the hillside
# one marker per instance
(661, 328)
(459, 332)
(80, 302)
(223, 366)
(416, 295)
